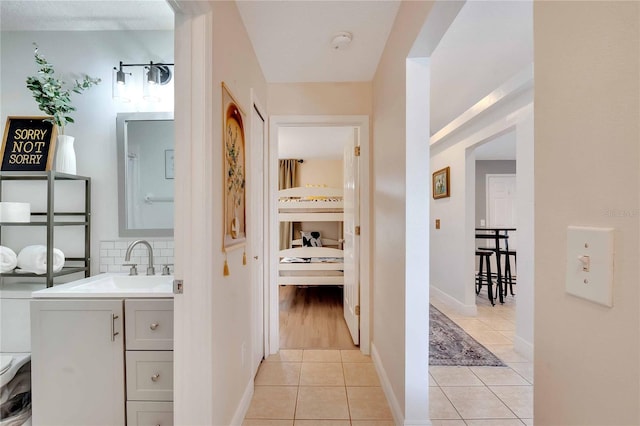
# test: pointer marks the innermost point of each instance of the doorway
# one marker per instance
(319, 172)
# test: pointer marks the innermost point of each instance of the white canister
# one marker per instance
(15, 212)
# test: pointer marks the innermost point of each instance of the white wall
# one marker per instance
(452, 264)
(495, 40)
(587, 105)
(94, 53)
(391, 328)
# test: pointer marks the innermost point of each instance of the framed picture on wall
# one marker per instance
(233, 145)
(441, 183)
(28, 144)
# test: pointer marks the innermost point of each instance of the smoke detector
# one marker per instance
(341, 40)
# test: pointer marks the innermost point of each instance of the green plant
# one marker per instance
(51, 95)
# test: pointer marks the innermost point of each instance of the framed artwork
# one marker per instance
(441, 183)
(233, 145)
(28, 144)
(169, 170)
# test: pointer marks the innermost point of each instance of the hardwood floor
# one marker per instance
(312, 318)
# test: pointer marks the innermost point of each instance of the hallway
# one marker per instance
(341, 388)
(318, 387)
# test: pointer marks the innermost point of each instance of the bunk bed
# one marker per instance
(311, 259)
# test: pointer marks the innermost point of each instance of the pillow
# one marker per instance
(311, 239)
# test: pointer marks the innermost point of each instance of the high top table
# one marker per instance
(496, 234)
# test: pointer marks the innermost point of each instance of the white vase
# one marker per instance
(66, 155)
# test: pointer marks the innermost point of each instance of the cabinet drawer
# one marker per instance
(149, 376)
(149, 324)
(149, 413)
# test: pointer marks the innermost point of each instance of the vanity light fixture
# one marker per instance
(155, 74)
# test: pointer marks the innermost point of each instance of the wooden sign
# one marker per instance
(28, 144)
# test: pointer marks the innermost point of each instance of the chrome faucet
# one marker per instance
(127, 257)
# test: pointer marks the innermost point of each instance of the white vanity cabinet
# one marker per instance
(77, 363)
(102, 362)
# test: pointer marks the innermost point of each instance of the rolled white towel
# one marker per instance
(8, 259)
(34, 259)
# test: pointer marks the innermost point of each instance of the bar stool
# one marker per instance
(485, 257)
(510, 279)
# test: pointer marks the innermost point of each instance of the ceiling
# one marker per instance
(500, 148)
(86, 15)
(292, 39)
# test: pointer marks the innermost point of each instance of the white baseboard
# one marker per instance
(523, 347)
(459, 307)
(243, 407)
(394, 404)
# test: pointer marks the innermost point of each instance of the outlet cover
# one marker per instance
(589, 270)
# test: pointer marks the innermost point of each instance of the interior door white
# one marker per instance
(257, 232)
(501, 204)
(351, 241)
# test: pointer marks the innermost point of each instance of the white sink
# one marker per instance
(112, 285)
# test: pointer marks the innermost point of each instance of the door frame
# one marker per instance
(271, 287)
(261, 323)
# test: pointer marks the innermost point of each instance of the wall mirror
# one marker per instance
(145, 174)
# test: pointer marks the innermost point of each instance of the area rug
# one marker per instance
(451, 345)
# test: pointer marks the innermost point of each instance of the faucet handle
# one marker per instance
(165, 269)
(133, 270)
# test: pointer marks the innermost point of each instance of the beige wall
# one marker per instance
(321, 172)
(214, 316)
(587, 111)
(389, 197)
(236, 64)
(320, 98)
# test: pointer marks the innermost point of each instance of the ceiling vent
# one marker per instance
(341, 40)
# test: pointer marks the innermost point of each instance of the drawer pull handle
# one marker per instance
(155, 377)
(154, 326)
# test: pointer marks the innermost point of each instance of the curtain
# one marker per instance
(287, 179)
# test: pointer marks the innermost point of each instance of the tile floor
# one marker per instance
(341, 387)
(484, 396)
(318, 388)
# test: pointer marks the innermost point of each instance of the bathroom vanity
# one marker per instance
(102, 352)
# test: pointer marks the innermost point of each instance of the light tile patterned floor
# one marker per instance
(318, 388)
(341, 387)
(484, 396)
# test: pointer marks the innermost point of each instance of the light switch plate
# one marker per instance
(596, 284)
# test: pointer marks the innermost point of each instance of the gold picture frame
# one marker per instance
(234, 178)
(441, 183)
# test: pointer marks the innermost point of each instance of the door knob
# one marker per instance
(255, 257)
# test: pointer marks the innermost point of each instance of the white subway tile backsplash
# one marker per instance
(107, 245)
(112, 255)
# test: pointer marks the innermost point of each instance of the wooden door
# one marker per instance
(351, 239)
